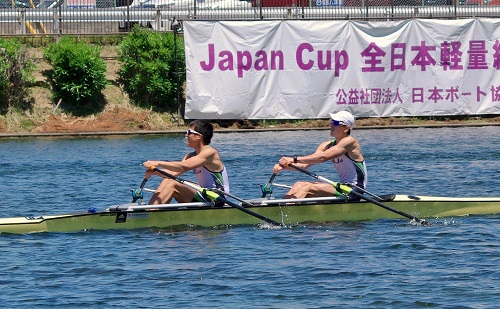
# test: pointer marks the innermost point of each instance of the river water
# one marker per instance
(386, 263)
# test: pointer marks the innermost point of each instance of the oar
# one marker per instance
(268, 188)
(364, 191)
(137, 193)
(215, 197)
(221, 192)
(348, 190)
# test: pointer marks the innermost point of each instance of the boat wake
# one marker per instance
(268, 226)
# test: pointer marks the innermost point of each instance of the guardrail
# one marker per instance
(116, 20)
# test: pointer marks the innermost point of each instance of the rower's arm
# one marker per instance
(190, 163)
(322, 154)
(299, 161)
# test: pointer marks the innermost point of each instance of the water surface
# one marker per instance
(378, 264)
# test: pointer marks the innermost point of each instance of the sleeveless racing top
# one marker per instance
(349, 171)
(210, 179)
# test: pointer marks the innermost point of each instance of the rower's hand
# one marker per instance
(148, 174)
(150, 165)
(285, 161)
(277, 168)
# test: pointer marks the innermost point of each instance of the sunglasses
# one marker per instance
(189, 132)
(337, 123)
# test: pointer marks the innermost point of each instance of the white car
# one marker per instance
(221, 4)
(152, 4)
(190, 4)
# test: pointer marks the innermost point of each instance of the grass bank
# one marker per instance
(119, 115)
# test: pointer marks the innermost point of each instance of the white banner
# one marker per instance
(299, 69)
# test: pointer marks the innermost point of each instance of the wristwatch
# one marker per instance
(294, 159)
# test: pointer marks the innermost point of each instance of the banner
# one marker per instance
(298, 69)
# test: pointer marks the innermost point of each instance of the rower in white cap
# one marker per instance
(343, 150)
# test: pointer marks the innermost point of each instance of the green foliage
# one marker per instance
(44, 41)
(16, 75)
(148, 72)
(78, 75)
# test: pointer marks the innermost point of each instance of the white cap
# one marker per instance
(344, 117)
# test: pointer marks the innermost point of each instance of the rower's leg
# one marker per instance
(169, 189)
(302, 189)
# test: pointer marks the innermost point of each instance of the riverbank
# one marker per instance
(46, 118)
(121, 118)
(245, 126)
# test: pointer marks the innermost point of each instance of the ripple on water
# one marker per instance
(386, 263)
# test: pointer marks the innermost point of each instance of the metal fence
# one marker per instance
(54, 17)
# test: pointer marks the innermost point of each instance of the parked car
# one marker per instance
(123, 2)
(438, 2)
(281, 3)
(475, 2)
(13, 4)
(49, 4)
(190, 4)
(151, 4)
(106, 4)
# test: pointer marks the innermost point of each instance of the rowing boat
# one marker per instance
(288, 211)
